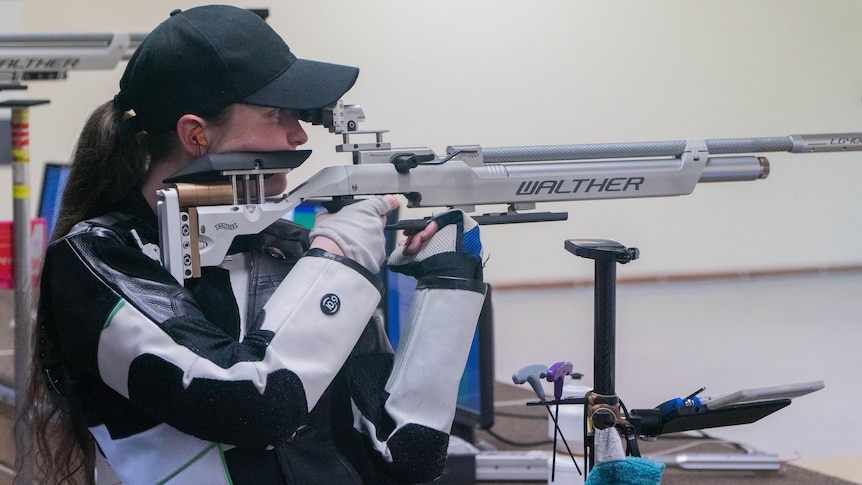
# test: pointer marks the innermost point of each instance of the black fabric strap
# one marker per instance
(449, 283)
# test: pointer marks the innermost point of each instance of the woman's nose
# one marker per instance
(296, 135)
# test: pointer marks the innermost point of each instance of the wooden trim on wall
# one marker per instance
(682, 277)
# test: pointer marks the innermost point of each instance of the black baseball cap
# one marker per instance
(201, 60)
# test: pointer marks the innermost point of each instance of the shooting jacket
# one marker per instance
(174, 391)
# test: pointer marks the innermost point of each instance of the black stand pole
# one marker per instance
(606, 255)
(604, 326)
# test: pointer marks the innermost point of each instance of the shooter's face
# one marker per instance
(259, 128)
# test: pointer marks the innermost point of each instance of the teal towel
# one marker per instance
(631, 471)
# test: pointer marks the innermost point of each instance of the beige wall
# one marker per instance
(504, 72)
(10, 16)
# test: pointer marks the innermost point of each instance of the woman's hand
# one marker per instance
(356, 231)
(417, 238)
(449, 245)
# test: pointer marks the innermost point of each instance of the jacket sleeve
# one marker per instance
(122, 318)
(408, 421)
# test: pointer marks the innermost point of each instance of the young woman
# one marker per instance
(272, 367)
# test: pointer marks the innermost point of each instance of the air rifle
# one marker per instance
(220, 196)
(38, 57)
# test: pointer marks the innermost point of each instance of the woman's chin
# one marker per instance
(275, 185)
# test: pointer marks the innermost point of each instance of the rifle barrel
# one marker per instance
(658, 149)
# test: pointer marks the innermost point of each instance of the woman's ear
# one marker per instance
(191, 130)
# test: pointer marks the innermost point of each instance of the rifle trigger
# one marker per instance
(409, 224)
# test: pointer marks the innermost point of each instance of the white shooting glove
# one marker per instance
(358, 231)
(455, 250)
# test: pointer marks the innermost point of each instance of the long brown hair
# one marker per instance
(110, 160)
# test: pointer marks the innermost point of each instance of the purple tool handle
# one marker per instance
(557, 374)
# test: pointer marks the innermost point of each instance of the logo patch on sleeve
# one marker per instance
(330, 304)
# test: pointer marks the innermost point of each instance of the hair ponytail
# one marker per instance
(109, 161)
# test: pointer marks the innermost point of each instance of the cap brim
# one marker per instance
(306, 84)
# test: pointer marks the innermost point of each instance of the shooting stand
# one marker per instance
(602, 406)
